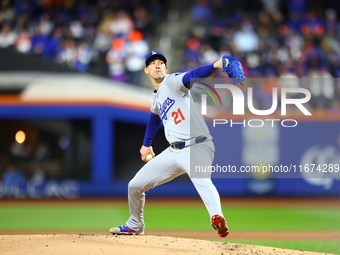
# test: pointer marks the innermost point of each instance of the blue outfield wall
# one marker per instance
(303, 160)
(308, 145)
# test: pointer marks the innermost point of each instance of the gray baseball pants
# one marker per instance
(166, 166)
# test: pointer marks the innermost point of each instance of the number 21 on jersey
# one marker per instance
(178, 116)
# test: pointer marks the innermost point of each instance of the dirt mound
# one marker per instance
(55, 244)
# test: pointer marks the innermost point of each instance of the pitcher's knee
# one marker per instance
(138, 187)
(134, 186)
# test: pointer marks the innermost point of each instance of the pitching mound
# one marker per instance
(109, 244)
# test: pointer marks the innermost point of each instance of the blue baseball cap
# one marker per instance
(153, 55)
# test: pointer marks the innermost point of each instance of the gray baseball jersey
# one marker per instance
(178, 111)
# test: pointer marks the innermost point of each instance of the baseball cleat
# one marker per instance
(218, 223)
(124, 230)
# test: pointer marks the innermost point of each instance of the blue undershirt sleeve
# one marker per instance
(154, 123)
(200, 73)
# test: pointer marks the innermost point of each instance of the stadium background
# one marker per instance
(71, 82)
(68, 85)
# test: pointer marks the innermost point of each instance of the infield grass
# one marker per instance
(96, 217)
(249, 218)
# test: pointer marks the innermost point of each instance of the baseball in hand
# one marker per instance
(149, 157)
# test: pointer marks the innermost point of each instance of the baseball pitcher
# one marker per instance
(188, 136)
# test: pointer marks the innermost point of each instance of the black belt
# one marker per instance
(181, 145)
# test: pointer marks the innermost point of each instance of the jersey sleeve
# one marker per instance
(154, 106)
(175, 81)
(200, 73)
(153, 124)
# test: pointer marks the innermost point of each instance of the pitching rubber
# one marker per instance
(126, 234)
(218, 222)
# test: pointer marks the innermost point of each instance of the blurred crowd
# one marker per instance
(288, 39)
(105, 37)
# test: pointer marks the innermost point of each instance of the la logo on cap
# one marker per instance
(154, 52)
